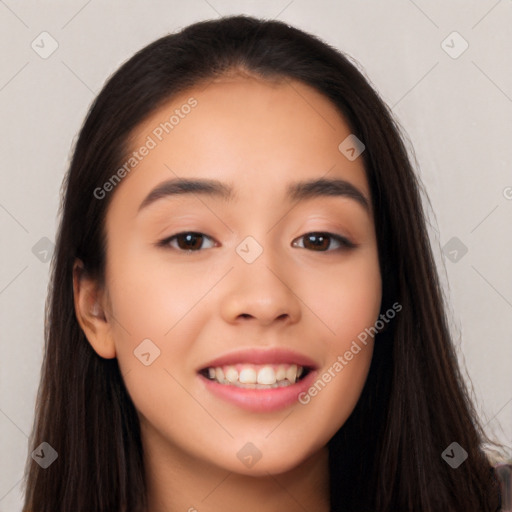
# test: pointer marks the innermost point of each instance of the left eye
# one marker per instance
(187, 241)
(320, 241)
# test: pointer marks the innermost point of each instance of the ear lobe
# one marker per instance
(90, 304)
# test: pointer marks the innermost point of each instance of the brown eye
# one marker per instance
(321, 242)
(190, 241)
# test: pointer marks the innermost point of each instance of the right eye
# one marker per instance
(189, 241)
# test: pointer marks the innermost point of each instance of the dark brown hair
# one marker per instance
(387, 456)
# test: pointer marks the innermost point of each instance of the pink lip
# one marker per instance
(260, 400)
(261, 356)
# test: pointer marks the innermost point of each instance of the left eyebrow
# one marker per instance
(297, 191)
(323, 187)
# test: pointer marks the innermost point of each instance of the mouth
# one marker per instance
(252, 376)
(259, 380)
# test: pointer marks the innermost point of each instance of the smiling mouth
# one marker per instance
(256, 376)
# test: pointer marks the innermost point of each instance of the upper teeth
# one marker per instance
(249, 374)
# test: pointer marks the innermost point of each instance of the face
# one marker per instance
(254, 280)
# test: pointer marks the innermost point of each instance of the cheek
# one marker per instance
(346, 299)
(153, 331)
(348, 303)
(150, 302)
(147, 292)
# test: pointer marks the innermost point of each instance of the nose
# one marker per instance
(262, 292)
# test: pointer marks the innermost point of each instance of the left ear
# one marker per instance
(90, 307)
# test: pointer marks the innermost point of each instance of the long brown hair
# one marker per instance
(387, 456)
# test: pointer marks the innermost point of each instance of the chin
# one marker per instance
(269, 459)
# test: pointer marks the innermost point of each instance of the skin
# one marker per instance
(257, 136)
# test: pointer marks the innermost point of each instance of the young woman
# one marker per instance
(244, 311)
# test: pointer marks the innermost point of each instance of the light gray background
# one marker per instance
(456, 111)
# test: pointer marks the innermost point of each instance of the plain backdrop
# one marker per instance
(443, 67)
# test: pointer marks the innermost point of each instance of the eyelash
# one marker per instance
(345, 243)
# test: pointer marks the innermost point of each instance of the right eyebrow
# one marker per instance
(180, 186)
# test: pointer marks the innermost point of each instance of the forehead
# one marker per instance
(254, 134)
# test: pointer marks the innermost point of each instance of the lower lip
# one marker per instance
(260, 400)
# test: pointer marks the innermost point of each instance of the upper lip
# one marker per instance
(261, 356)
